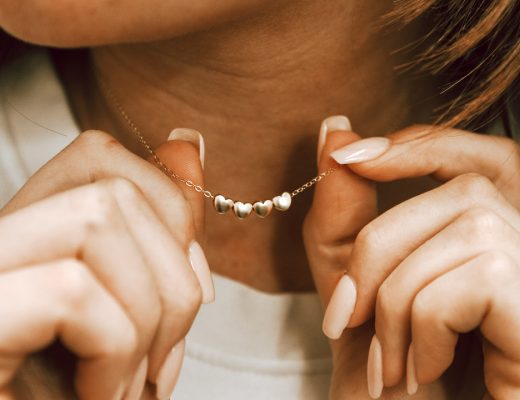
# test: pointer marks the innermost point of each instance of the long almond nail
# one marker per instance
(135, 390)
(411, 377)
(192, 136)
(375, 369)
(169, 372)
(362, 150)
(340, 308)
(199, 263)
(331, 124)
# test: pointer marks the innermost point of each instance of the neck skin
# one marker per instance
(257, 89)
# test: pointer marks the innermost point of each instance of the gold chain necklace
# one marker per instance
(221, 203)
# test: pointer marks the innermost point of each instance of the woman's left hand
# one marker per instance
(440, 264)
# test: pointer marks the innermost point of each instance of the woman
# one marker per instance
(101, 252)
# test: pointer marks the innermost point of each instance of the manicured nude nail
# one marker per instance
(411, 377)
(362, 150)
(135, 390)
(169, 372)
(199, 263)
(331, 124)
(340, 308)
(375, 369)
(192, 136)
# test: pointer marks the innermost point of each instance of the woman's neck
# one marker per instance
(257, 90)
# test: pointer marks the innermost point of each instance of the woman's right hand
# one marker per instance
(98, 252)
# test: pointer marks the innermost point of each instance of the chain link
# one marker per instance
(312, 182)
(172, 175)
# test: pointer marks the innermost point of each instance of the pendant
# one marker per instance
(261, 208)
(282, 202)
(222, 205)
(242, 210)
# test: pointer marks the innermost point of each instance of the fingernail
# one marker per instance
(199, 263)
(331, 124)
(169, 372)
(411, 377)
(192, 136)
(135, 390)
(375, 369)
(362, 150)
(340, 308)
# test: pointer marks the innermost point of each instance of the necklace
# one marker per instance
(221, 203)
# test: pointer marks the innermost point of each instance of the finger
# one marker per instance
(183, 154)
(71, 306)
(342, 204)
(474, 232)
(423, 217)
(178, 287)
(482, 292)
(442, 152)
(87, 223)
(94, 156)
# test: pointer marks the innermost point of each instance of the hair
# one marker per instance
(475, 44)
(474, 47)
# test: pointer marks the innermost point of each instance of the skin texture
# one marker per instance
(261, 76)
(200, 81)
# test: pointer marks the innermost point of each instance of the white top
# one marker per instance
(247, 345)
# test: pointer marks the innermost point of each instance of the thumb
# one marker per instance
(183, 154)
(343, 204)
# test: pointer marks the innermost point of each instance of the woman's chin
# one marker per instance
(75, 23)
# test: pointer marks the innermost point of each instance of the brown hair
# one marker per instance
(475, 44)
(474, 47)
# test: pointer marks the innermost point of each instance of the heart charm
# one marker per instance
(263, 208)
(222, 205)
(242, 210)
(282, 202)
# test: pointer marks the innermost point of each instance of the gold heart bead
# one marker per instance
(222, 205)
(263, 208)
(282, 202)
(242, 210)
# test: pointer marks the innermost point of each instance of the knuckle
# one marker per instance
(510, 146)
(99, 207)
(499, 268)
(474, 186)
(125, 345)
(96, 139)
(482, 224)
(122, 188)
(75, 284)
(77, 288)
(369, 239)
(189, 300)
